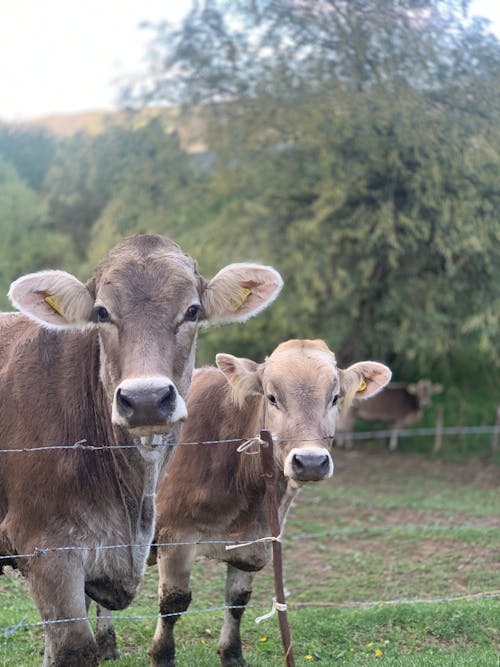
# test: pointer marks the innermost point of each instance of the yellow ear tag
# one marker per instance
(362, 385)
(54, 305)
(240, 299)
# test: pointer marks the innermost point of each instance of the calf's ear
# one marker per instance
(54, 299)
(240, 291)
(363, 380)
(242, 374)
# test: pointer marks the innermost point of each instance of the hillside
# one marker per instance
(95, 121)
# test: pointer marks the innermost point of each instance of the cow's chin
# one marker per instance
(156, 447)
(154, 432)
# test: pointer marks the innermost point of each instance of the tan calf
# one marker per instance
(214, 492)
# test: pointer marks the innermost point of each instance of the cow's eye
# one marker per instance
(335, 400)
(272, 399)
(102, 314)
(192, 313)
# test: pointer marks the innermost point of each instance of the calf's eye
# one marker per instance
(102, 314)
(335, 400)
(192, 313)
(272, 399)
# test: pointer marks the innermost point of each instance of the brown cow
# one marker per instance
(213, 492)
(110, 365)
(400, 405)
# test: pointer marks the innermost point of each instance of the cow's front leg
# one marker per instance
(105, 635)
(174, 596)
(393, 442)
(57, 587)
(238, 592)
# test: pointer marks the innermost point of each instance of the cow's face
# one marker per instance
(302, 392)
(424, 390)
(146, 301)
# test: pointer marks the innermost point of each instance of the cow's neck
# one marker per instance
(252, 465)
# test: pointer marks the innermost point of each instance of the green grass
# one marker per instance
(387, 527)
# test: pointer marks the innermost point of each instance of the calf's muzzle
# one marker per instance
(309, 465)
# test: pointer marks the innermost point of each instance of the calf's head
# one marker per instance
(302, 391)
(146, 300)
(424, 390)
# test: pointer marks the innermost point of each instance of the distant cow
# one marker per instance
(110, 365)
(213, 492)
(399, 404)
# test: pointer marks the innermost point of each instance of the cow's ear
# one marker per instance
(363, 380)
(240, 291)
(242, 374)
(437, 388)
(54, 299)
(412, 389)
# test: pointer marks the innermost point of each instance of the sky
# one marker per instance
(65, 56)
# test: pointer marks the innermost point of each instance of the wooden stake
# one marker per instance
(268, 467)
(496, 434)
(438, 438)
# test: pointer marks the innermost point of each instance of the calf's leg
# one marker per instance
(174, 595)
(238, 592)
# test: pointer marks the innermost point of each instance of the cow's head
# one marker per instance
(302, 391)
(423, 390)
(146, 301)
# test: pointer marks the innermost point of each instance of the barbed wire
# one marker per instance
(389, 528)
(42, 551)
(381, 603)
(9, 631)
(336, 533)
(354, 435)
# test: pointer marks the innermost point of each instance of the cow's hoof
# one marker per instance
(106, 647)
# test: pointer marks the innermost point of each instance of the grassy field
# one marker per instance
(387, 527)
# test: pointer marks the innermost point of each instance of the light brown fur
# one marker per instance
(214, 492)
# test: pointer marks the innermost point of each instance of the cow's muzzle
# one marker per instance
(309, 465)
(147, 403)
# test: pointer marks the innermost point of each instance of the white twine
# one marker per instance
(245, 446)
(270, 538)
(277, 606)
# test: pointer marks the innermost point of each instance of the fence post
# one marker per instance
(438, 438)
(268, 467)
(496, 434)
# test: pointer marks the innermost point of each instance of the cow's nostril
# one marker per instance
(125, 405)
(297, 462)
(166, 401)
(325, 464)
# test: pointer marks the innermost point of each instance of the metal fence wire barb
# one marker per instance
(355, 435)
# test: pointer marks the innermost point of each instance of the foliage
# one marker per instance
(29, 150)
(27, 237)
(356, 148)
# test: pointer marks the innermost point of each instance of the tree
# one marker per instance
(28, 242)
(356, 148)
(30, 150)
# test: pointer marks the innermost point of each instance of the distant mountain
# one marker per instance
(95, 121)
(66, 124)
